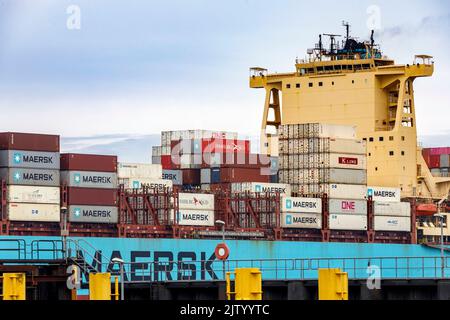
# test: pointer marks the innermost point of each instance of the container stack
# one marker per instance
(91, 182)
(138, 175)
(301, 213)
(195, 209)
(319, 159)
(438, 160)
(29, 164)
(389, 213)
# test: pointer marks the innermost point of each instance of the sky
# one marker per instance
(109, 75)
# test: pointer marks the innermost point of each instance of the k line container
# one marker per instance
(396, 209)
(195, 201)
(402, 224)
(89, 179)
(347, 222)
(187, 217)
(34, 212)
(88, 162)
(384, 194)
(301, 205)
(137, 183)
(345, 206)
(176, 176)
(91, 196)
(93, 214)
(301, 220)
(31, 177)
(32, 194)
(257, 187)
(29, 142)
(139, 170)
(29, 159)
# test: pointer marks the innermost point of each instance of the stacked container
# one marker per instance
(195, 209)
(327, 159)
(389, 213)
(29, 164)
(137, 175)
(301, 213)
(91, 182)
(438, 160)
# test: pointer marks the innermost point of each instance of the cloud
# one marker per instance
(428, 24)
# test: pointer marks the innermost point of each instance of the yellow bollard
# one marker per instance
(333, 284)
(100, 286)
(116, 288)
(14, 286)
(247, 284)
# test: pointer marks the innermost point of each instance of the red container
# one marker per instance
(438, 151)
(91, 196)
(435, 161)
(426, 156)
(251, 160)
(191, 176)
(88, 162)
(230, 175)
(29, 142)
(166, 162)
(217, 187)
(225, 146)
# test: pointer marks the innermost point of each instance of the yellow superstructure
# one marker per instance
(356, 85)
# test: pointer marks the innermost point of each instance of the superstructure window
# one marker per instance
(371, 139)
(403, 138)
(332, 83)
(310, 84)
(288, 86)
(353, 81)
(391, 153)
(297, 85)
(381, 138)
(320, 84)
(364, 139)
(391, 138)
(403, 153)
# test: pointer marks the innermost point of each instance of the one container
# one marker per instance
(196, 201)
(395, 209)
(348, 222)
(29, 142)
(139, 170)
(191, 176)
(33, 212)
(186, 217)
(301, 205)
(89, 179)
(93, 214)
(176, 176)
(91, 196)
(31, 177)
(29, 159)
(401, 224)
(301, 220)
(137, 183)
(345, 206)
(32, 194)
(343, 191)
(88, 162)
(205, 176)
(384, 194)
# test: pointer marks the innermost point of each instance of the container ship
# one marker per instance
(340, 175)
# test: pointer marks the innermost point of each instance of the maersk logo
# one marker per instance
(16, 176)
(370, 192)
(135, 184)
(288, 204)
(17, 158)
(77, 178)
(77, 212)
(288, 219)
(258, 188)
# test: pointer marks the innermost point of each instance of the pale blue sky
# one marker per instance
(139, 67)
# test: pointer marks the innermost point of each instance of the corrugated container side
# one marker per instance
(91, 196)
(444, 161)
(402, 224)
(345, 206)
(176, 176)
(301, 205)
(196, 201)
(186, 217)
(89, 179)
(435, 161)
(242, 175)
(346, 146)
(93, 214)
(31, 177)
(215, 175)
(137, 183)
(29, 141)
(205, 176)
(29, 159)
(343, 191)
(33, 212)
(348, 222)
(301, 220)
(32, 194)
(384, 194)
(191, 176)
(88, 162)
(396, 209)
(139, 170)
(156, 160)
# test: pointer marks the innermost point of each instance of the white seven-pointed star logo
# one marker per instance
(77, 212)
(17, 158)
(17, 176)
(77, 178)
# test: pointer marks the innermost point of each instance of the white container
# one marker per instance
(156, 151)
(32, 194)
(175, 175)
(301, 220)
(384, 194)
(402, 224)
(188, 161)
(206, 187)
(139, 170)
(396, 209)
(205, 176)
(195, 201)
(344, 206)
(186, 217)
(156, 159)
(344, 191)
(346, 161)
(34, 212)
(346, 146)
(260, 187)
(137, 183)
(323, 130)
(347, 222)
(301, 205)
(30, 177)
(93, 214)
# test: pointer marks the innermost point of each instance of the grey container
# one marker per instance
(30, 177)
(89, 179)
(29, 159)
(93, 214)
(205, 176)
(175, 175)
(444, 161)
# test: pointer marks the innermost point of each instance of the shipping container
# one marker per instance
(187, 217)
(444, 161)
(437, 151)
(89, 179)
(139, 170)
(301, 220)
(205, 176)
(93, 214)
(29, 142)
(384, 194)
(188, 161)
(346, 206)
(402, 224)
(33, 212)
(186, 146)
(257, 187)
(315, 176)
(191, 176)
(243, 175)
(91, 196)
(318, 130)
(343, 191)
(31, 177)
(352, 222)
(250, 160)
(215, 175)
(435, 161)
(29, 159)
(301, 205)
(225, 146)
(166, 162)
(346, 146)
(88, 162)
(176, 176)
(32, 194)
(205, 187)
(156, 151)
(396, 209)
(137, 183)
(156, 160)
(196, 201)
